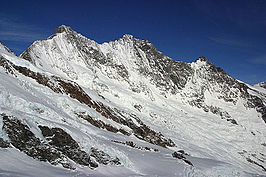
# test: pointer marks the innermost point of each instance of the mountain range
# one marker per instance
(72, 107)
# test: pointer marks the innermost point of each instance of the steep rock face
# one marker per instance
(56, 148)
(63, 142)
(132, 61)
(121, 59)
(4, 144)
(164, 71)
(23, 139)
(103, 158)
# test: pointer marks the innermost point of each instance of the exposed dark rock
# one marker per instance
(142, 132)
(58, 85)
(188, 162)
(57, 147)
(202, 58)
(63, 28)
(121, 70)
(64, 143)
(27, 56)
(257, 103)
(183, 152)
(166, 73)
(133, 145)
(215, 110)
(6, 65)
(182, 157)
(145, 133)
(103, 158)
(101, 124)
(256, 163)
(253, 133)
(250, 156)
(4, 144)
(178, 155)
(23, 139)
(138, 107)
(233, 121)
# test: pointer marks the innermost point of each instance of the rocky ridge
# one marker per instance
(123, 58)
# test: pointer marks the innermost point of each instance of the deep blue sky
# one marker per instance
(230, 33)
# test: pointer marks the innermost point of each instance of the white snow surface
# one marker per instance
(214, 144)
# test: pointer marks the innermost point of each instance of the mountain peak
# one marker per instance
(6, 48)
(210, 64)
(63, 28)
(261, 84)
(202, 58)
(128, 36)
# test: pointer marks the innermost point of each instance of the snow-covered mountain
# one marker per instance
(70, 106)
(261, 85)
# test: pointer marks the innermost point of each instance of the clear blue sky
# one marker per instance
(230, 33)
